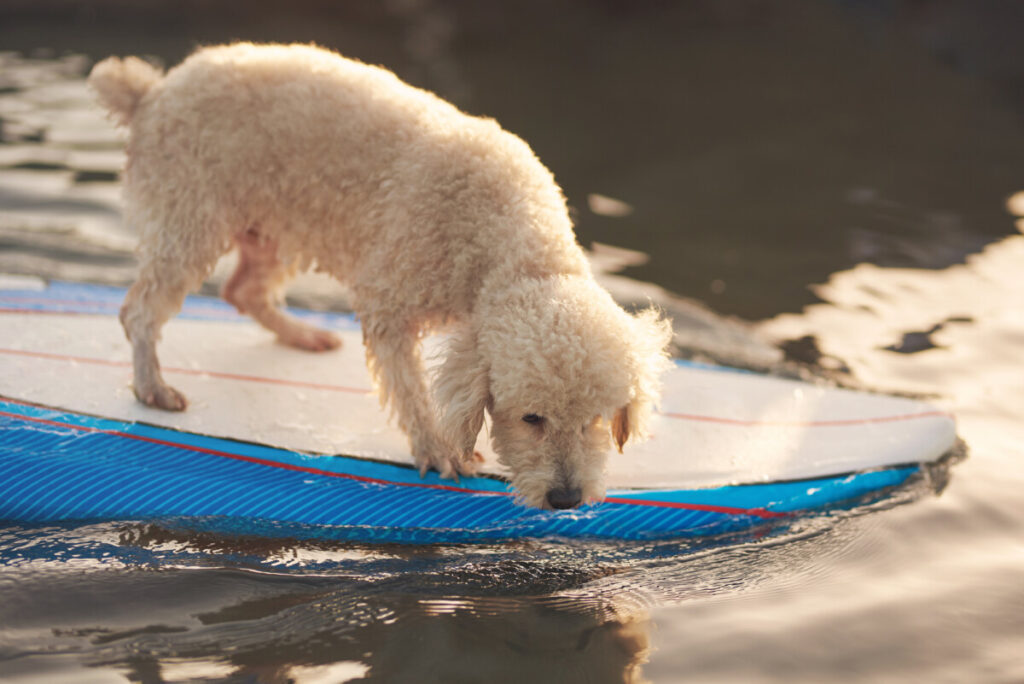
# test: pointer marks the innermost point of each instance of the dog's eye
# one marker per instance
(532, 418)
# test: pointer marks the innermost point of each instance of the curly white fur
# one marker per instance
(302, 158)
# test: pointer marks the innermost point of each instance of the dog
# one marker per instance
(434, 219)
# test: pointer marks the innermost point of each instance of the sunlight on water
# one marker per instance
(949, 568)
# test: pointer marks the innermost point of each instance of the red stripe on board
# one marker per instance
(189, 371)
(237, 457)
(358, 390)
(805, 423)
(759, 512)
(755, 512)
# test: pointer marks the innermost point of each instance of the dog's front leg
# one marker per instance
(393, 357)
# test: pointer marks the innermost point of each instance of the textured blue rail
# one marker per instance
(62, 466)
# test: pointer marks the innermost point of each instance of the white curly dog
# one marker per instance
(434, 219)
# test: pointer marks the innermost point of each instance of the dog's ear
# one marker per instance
(620, 427)
(630, 422)
(650, 337)
(462, 392)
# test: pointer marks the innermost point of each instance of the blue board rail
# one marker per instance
(56, 465)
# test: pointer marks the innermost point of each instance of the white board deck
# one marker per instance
(714, 426)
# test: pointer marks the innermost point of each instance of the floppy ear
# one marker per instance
(630, 421)
(650, 337)
(461, 392)
(620, 427)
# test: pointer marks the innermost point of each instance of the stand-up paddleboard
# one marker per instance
(277, 440)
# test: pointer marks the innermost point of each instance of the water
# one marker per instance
(835, 173)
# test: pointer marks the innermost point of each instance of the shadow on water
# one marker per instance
(157, 602)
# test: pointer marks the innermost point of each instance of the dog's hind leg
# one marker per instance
(254, 288)
(156, 295)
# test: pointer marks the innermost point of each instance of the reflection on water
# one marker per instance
(751, 148)
(156, 604)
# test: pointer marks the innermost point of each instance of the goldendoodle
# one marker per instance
(434, 219)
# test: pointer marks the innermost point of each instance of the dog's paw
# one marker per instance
(465, 465)
(163, 397)
(470, 463)
(310, 339)
(449, 464)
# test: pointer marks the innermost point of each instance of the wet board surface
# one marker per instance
(279, 439)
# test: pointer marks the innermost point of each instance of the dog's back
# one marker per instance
(331, 157)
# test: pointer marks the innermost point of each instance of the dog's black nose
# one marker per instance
(563, 498)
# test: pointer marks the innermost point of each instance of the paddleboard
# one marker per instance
(281, 441)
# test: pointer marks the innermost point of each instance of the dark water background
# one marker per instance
(823, 179)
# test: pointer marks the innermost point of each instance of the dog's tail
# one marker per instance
(121, 84)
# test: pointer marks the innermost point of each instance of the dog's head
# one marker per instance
(565, 373)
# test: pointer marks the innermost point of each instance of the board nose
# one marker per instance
(564, 497)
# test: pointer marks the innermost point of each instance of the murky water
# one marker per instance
(836, 173)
